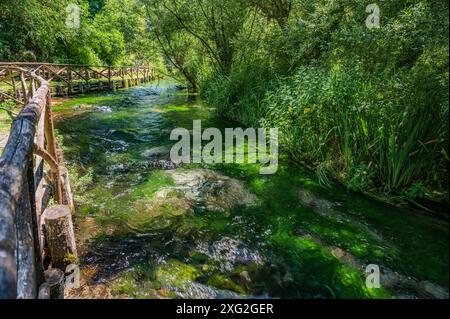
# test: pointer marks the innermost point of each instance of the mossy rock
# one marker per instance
(174, 273)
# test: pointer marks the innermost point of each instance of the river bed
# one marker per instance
(148, 229)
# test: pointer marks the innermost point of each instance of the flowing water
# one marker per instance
(148, 229)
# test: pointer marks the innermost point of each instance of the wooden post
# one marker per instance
(69, 82)
(39, 179)
(110, 78)
(80, 88)
(13, 84)
(122, 75)
(24, 88)
(32, 87)
(60, 236)
(59, 90)
(51, 145)
(67, 190)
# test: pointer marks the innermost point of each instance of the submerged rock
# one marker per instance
(200, 291)
(161, 152)
(433, 290)
(320, 206)
(346, 257)
(180, 278)
(206, 188)
(404, 287)
(230, 252)
(245, 277)
(162, 165)
(104, 109)
(82, 107)
(326, 208)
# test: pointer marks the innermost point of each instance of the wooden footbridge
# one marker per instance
(17, 84)
(37, 243)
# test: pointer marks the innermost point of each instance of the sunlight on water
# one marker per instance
(147, 229)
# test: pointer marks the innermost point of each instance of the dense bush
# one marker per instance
(238, 96)
(367, 107)
(370, 132)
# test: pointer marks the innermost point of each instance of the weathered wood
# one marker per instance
(110, 84)
(53, 288)
(69, 82)
(67, 190)
(60, 236)
(51, 145)
(68, 75)
(43, 192)
(35, 227)
(42, 153)
(8, 273)
(44, 291)
(26, 261)
(13, 170)
(24, 88)
(33, 86)
(80, 88)
(39, 142)
(14, 86)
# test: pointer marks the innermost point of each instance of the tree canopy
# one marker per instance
(363, 105)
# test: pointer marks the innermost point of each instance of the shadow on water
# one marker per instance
(223, 231)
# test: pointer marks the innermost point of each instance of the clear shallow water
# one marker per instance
(224, 231)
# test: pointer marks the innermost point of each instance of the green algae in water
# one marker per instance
(281, 247)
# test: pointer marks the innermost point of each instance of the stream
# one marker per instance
(149, 229)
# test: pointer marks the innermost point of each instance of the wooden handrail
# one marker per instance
(21, 195)
(75, 78)
(70, 65)
(17, 248)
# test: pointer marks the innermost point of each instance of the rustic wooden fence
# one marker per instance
(17, 84)
(38, 243)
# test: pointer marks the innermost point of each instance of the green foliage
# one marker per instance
(111, 32)
(237, 96)
(367, 107)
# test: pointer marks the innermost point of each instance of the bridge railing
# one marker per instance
(25, 189)
(16, 84)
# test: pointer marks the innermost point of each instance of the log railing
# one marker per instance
(30, 173)
(18, 86)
